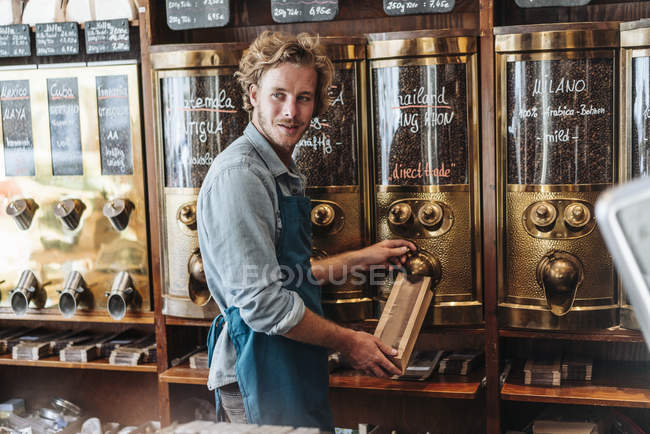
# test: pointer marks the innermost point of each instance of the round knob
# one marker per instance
(118, 211)
(22, 210)
(577, 215)
(399, 214)
(187, 214)
(69, 212)
(543, 214)
(560, 274)
(423, 264)
(322, 215)
(430, 214)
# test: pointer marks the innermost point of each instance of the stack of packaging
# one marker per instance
(577, 368)
(86, 351)
(140, 351)
(543, 371)
(7, 335)
(34, 345)
(200, 361)
(461, 363)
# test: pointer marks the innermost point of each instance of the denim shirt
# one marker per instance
(238, 221)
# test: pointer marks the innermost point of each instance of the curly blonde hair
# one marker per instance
(270, 49)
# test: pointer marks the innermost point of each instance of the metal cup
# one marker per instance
(73, 288)
(28, 289)
(121, 295)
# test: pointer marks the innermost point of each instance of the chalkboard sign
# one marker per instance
(109, 36)
(201, 116)
(65, 132)
(421, 126)
(295, 11)
(17, 128)
(403, 7)
(114, 124)
(197, 14)
(560, 121)
(14, 41)
(548, 3)
(57, 39)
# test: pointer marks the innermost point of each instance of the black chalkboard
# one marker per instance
(14, 41)
(114, 124)
(57, 39)
(548, 3)
(403, 7)
(65, 132)
(109, 36)
(17, 128)
(197, 14)
(295, 11)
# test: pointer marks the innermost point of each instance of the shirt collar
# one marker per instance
(268, 154)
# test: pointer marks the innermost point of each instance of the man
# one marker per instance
(269, 360)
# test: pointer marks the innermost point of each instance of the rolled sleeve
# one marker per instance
(237, 227)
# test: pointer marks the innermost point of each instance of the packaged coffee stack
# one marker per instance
(76, 338)
(86, 351)
(200, 361)
(9, 334)
(460, 363)
(543, 371)
(125, 338)
(36, 347)
(577, 368)
(140, 351)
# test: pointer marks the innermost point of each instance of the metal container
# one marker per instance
(426, 162)
(198, 114)
(556, 88)
(635, 119)
(332, 157)
(71, 142)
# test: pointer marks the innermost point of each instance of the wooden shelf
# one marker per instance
(175, 320)
(439, 386)
(613, 385)
(54, 362)
(84, 317)
(609, 335)
(183, 374)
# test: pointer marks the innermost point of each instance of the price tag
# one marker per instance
(294, 11)
(110, 36)
(402, 7)
(15, 41)
(197, 14)
(548, 3)
(57, 39)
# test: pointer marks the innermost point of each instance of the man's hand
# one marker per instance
(386, 253)
(367, 353)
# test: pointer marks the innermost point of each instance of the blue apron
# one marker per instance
(282, 381)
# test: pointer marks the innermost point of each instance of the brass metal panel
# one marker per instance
(350, 235)
(344, 48)
(421, 46)
(455, 249)
(224, 54)
(558, 39)
(523, 252)
(95, 249)
(180, 242)
(635, 38)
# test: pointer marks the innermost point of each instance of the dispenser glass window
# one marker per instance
(420, 123)
(15, 104)
(201, 116)
(114, 121)
(640, 117)
(327, 153)
(65, 126)
(560, 121)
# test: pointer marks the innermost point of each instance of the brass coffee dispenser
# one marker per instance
(635, 119)
(556, 152)
(72, 146)
(198, 113)
(332, 156)
(426, 166)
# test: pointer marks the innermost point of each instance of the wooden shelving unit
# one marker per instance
(615, 335)
(85, 317)
(54, 362)
(183, 374)
(613, 385)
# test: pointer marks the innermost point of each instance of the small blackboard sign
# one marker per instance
(17, 128)
(65, 131)
(114, 124)
(403, 7)
(108, 36)
(295, 11)
(57, 39)
(197, 14)
(14, 41)
(548, 3)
